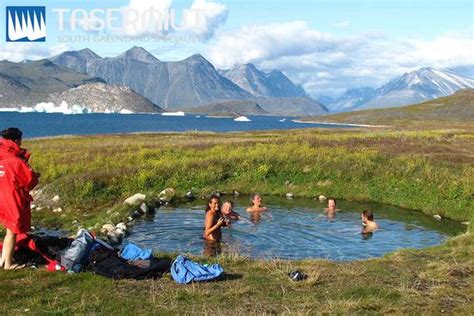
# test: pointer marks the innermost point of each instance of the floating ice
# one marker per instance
(179, 113)
(242, 119)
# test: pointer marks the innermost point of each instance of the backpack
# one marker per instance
(76, 256)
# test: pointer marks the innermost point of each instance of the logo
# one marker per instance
(26, 24)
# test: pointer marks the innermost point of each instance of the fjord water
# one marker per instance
(294, 229)
(43, 124)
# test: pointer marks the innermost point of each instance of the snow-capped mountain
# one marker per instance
(352, 99)
(410, 88)
(417, 86)
(466, 70)
(263, 84)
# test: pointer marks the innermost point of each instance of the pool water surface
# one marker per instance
(294, 229)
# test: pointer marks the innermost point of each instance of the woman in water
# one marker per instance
(368, 223)
(228, 211)
(331, 209)
(17, 179)
(214, 220)
(256, 204)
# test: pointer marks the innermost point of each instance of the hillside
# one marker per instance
(298, 106)
(230, 108)
(456, 110)
(101, 97)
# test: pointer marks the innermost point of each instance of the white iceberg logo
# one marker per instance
(26, 24)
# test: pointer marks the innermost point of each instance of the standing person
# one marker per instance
(17, 179)
(256, 204)
(214, 220)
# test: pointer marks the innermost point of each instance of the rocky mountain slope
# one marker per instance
(263, 84)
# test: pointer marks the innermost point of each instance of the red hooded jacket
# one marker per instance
(17, 179)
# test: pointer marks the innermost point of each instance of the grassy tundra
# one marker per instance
(431, 171)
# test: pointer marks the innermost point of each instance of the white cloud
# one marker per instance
(144, 17)
(205, 17)
(328, 64)
(20, 51)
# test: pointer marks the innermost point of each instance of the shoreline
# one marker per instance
(341, 124)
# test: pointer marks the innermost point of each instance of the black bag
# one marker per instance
(107, 263)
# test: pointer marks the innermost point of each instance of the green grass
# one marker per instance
(431, 171)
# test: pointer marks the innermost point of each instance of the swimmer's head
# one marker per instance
(213, 203)
(332, 203)
(367, 215)
(227, 207)
(256, 199)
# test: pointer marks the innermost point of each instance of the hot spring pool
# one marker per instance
(294, 229)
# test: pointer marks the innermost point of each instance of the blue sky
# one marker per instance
(326, 46)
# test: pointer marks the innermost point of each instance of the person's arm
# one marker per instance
(26, 178)
(209, 228)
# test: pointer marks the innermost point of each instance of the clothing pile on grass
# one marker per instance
(88, 253)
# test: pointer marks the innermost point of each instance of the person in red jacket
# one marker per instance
(17, 179)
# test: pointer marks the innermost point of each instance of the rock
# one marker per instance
(75, 222)
(288, 183)
(236, 193)
(437, 217)
(110, 211)
(322, 198)
(32, 206)
(57, 210)
(122, 226)
(33, 228)
(216, 193)
(190, 195)
(55, 199)
(107, 228)
(39, 208)
(145, 209)
(289, 195)
(167, 195)
(136, 214)
(466, 223)
(135, 199)
(120, 232)
(114, 238)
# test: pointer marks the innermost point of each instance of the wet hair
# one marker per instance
(230, 202)
(212, 197)
(253, 198)
(368, 214)
(333, 199)
(12, 133)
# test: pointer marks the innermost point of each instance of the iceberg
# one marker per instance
(242, 119)
(179, 113)
(63, 108)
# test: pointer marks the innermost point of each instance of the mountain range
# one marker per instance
(409, 88)
(192, 82)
